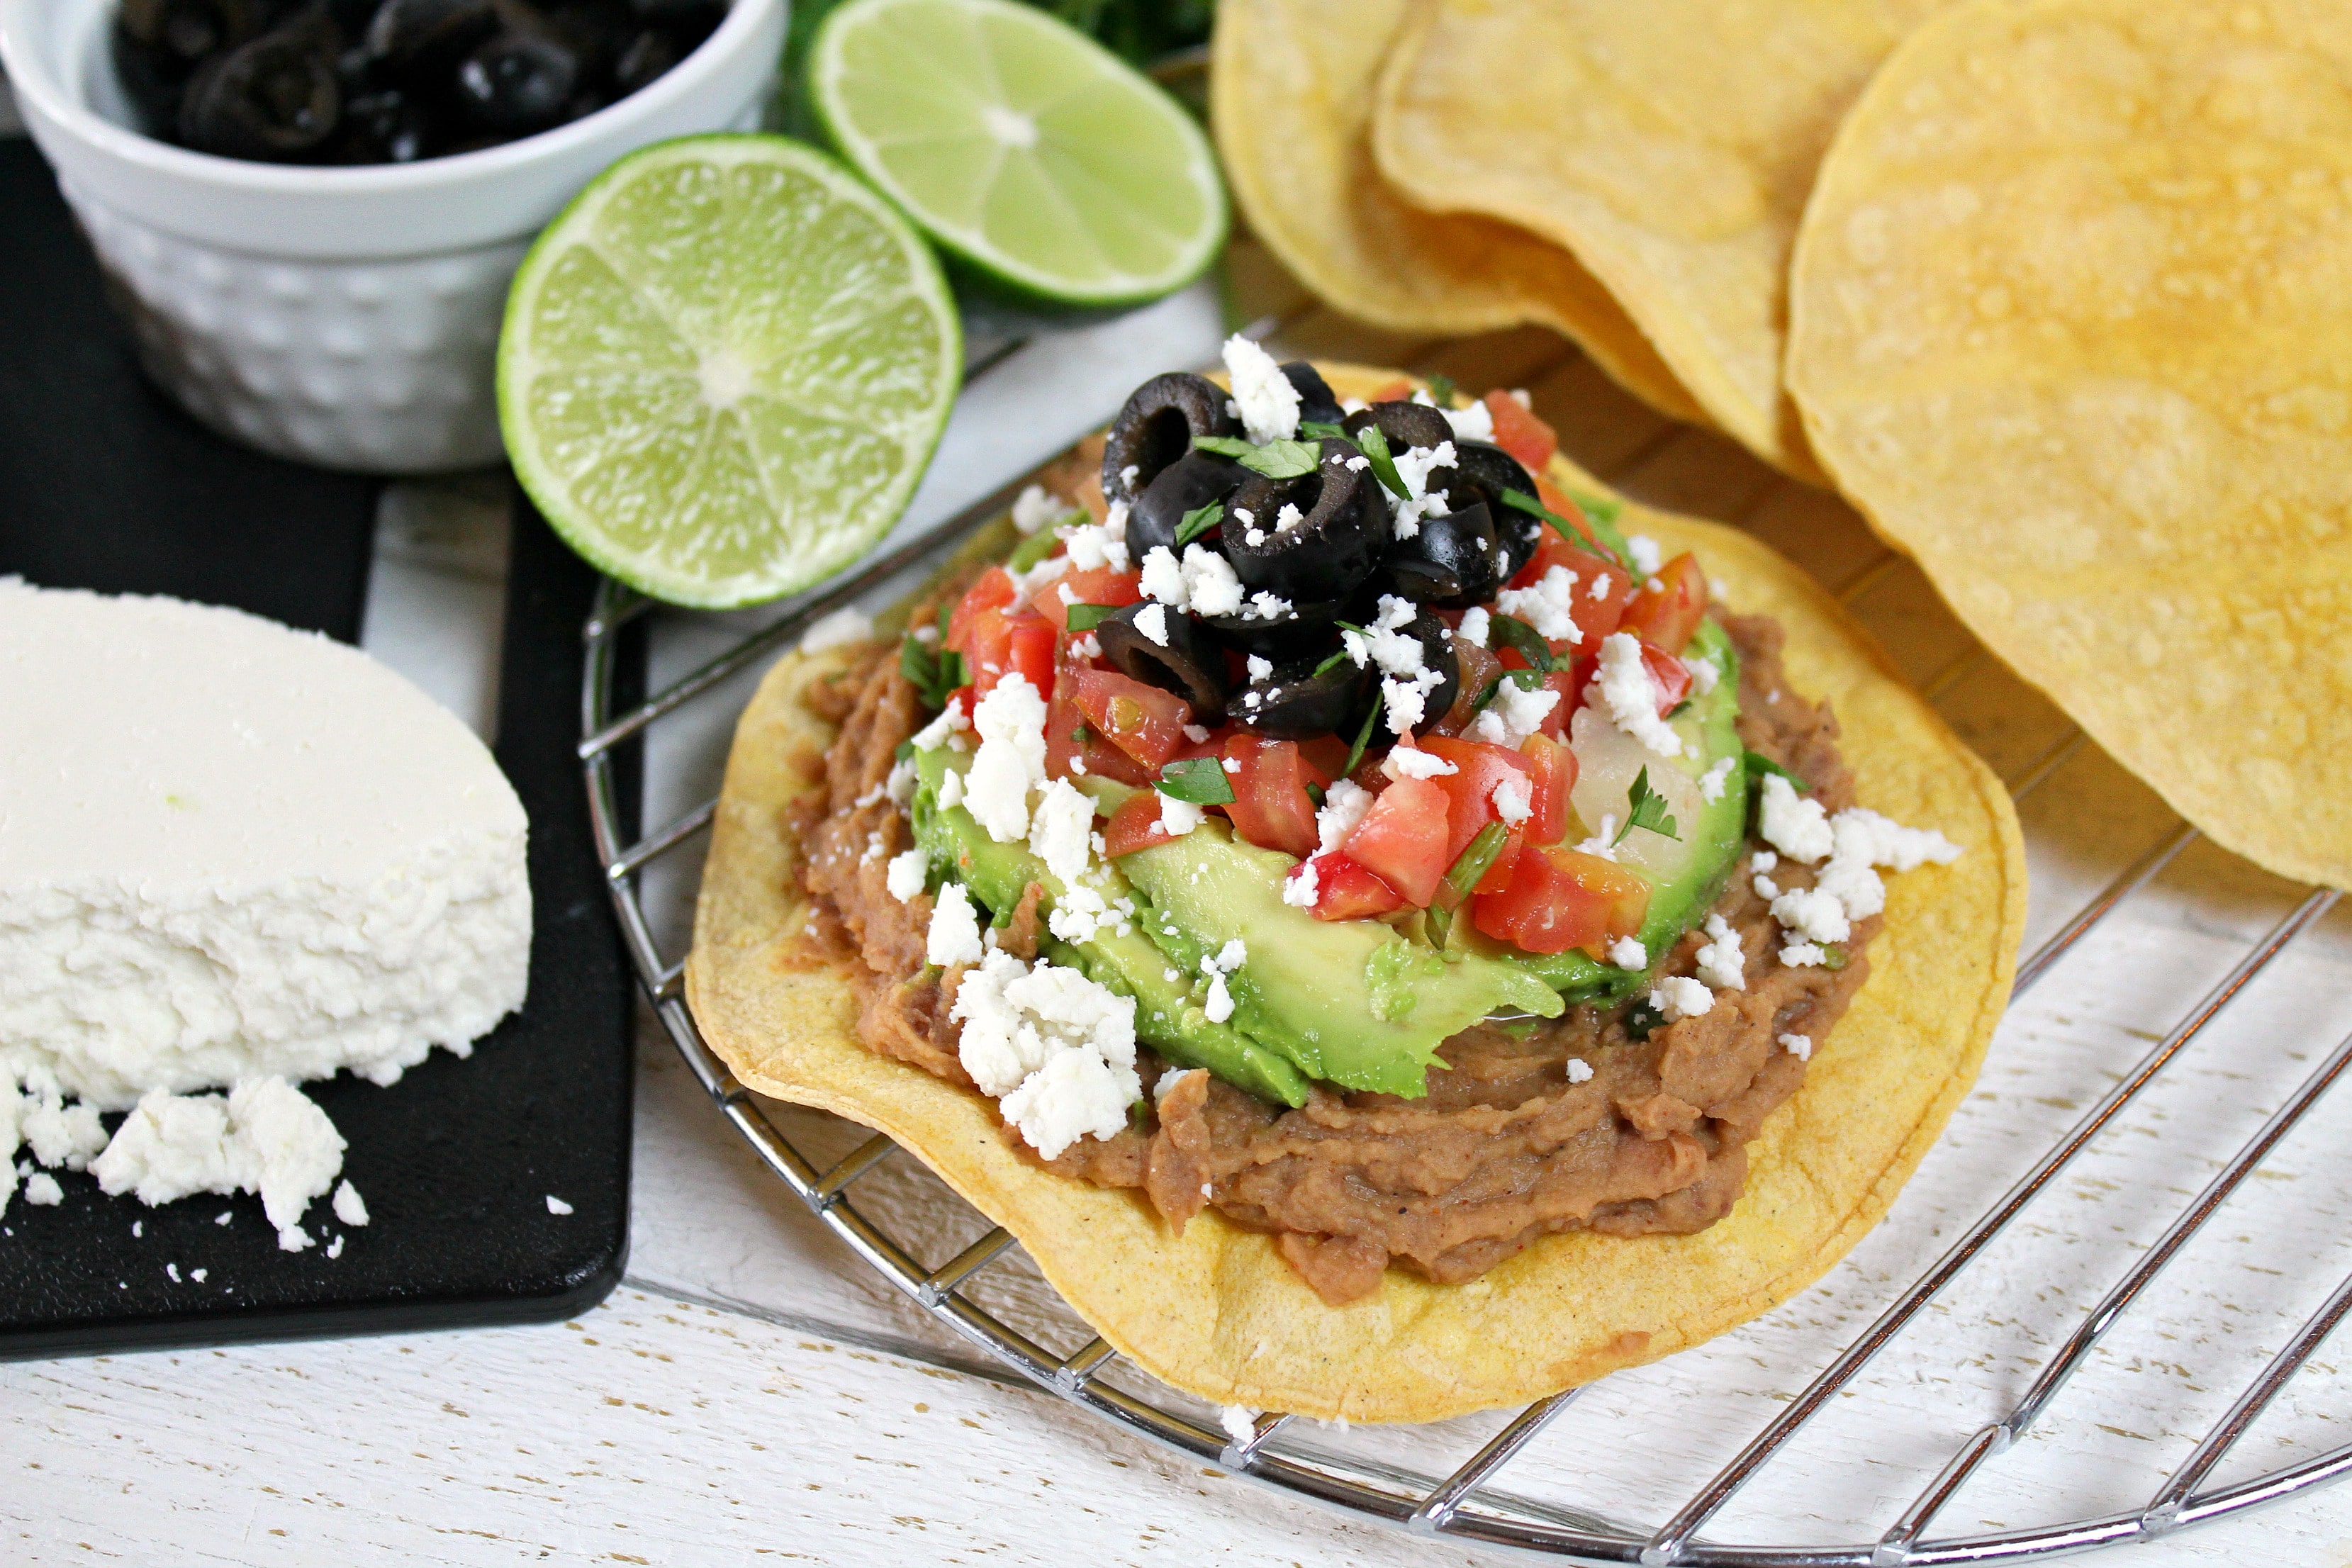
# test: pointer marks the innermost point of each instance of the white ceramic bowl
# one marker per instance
(347, 317)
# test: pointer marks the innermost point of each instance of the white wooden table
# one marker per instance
(750, 1394)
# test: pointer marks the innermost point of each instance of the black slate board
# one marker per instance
(104, 484)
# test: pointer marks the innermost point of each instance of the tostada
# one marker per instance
(1390, 928)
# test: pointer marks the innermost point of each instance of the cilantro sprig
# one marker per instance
(1199, 781)
(1601, 514)
(1374, 445)
(1197, 521)
(1649, 810)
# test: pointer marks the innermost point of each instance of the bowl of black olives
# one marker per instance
(310, 209)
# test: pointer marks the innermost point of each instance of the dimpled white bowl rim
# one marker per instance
(345, 317)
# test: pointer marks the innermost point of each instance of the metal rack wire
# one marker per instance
(1464, 1506)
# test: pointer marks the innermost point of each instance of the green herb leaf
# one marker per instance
(1030, 551)
(1649, 811)
(1641, 1019)
(1315, 793)
(1529, 642)
(1759, 765)
(1321, 430)
(1276, 459)
(1363, 739)
(1087, 617)
(946, 618)
(1199, 780)
(1477, 858)
(1525, 679)
(1440, 389)
(1337, 658)
(903, 751)
(1197, 521)
(1600, 514)
(1375, 448)
(933, 673)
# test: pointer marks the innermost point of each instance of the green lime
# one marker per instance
(1023, 148)
(724, 368)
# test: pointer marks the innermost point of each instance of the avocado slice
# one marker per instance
(1709, 844)
(1349, 1001)
(1168, 1011)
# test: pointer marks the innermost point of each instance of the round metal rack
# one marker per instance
(1464, 1506)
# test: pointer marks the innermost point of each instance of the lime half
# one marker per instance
(724, 368)
(1025, 148)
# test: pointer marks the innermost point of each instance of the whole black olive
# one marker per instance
(1405, 424)
(1316, 400)
(274, 98)
(1157, 426)
(1184, 658)
(414, 39)
(518, 82)
(1332, 546)
(645, 59)
(385, 127)
(191, 29)
(1304, 698)
(1481, 474)
(1189, 483)
(1451, 562)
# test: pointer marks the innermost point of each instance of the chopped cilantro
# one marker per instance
(1337, 658)
(1477, 858)
(1087, 617)
(1374, 445)
(1030, 551)
(1276, 459)
(1528, 641)
(934, 673)
(1440, 389)
(1321, 430)
(1640, 1018)
(1597, 512)
(1363, 739)
(1649, 811)
(1759, 765)
(1197, 521)
(1201, 781)
(1525, 679)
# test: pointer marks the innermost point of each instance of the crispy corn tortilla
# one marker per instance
(1217, 1311)
(2071, 327)
(1669, 143)
(1290, 96)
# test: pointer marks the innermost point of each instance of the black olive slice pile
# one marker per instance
(1453, 562)
(385, 81)
(1317, 403)
(1305, 698)
(1481, 475)
(1403, 424)
(1191, 663)
(1157, 424)
(1342, 528)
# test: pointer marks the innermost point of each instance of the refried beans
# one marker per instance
(1503, 1149)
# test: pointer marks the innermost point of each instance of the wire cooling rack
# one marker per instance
(1465, 1505)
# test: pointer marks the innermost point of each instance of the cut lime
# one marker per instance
(1025, 148)
(724, 367)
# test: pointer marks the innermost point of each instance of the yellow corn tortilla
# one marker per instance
(1290, 98)
(2071, 327)
(1216, 1311)
(1669, 143)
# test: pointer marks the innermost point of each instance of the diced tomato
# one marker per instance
(1671, 676)
(1558, 899)
(1271, 808)
(1095, 585)
(1569, 682)
(997, 643)
(994, 591)
(1667, 614)
(1346, 892)
(1394, 392)
(1075, 748)
(1144, 721)
(1519, 432)
(1401, 840)
(1328, 755)
(1551, 770)
(1134, 826)
(1479, 769)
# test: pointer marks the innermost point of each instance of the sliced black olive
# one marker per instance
(1451, 562)
(1405, 424)
(647, 58)
(1436, 653)
(1481, 474)
(1157, 426)
(1278, 637)
(191, 29)
(1331, 549)
(1316, 400)
(414, 39)
(518, 82)
(1189, 663)
(275, 98)
(385, 127)
(1189, 483)
(1294, 702)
